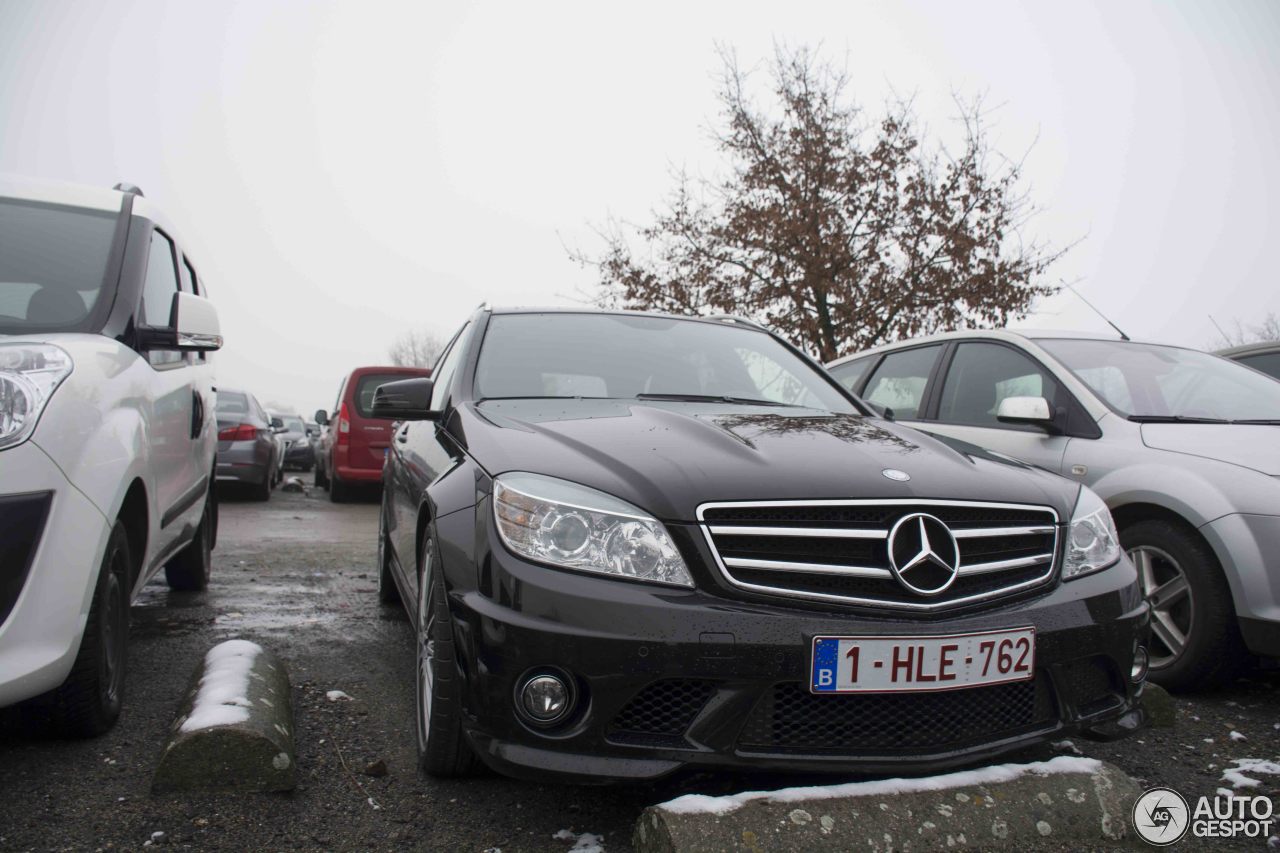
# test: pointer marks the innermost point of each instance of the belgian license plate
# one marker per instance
(930, 662)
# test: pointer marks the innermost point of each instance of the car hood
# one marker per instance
(1255, 446)
(668, 458)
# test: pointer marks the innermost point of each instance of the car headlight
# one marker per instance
(29, 374)
(564, 524)
(1092, 541)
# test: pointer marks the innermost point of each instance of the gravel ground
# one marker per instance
(297, 575)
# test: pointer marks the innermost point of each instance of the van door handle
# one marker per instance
(197, 414)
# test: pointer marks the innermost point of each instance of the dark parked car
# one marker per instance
(298, 451)
(350, 452)
(1264, 357)
(633, 542)
(248, 452)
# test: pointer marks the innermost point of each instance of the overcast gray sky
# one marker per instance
(350, 170)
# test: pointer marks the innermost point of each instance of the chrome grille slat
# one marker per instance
(776, 548)
(815, 568)
(807, 532)
(1002, 565)
(991, 532)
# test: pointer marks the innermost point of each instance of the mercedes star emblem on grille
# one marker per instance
(923, 554)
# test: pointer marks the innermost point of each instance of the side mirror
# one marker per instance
(322, 417)
(883, 411)
(1034, 411)
(405, 400)
(193, 327)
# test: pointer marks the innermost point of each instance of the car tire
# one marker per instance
(443, 751)
(388, 592)
(339, 491)
(190, 568)
(262, 491)
(1191, 606)
(88, 703)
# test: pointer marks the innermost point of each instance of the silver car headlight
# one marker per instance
(1092, 541)
(29, 374)
(574, 527)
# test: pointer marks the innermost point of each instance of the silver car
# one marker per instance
(1183, 446)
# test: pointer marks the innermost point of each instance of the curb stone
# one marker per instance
(229, 735)
(1089, 807)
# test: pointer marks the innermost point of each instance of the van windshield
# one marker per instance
(53, 261)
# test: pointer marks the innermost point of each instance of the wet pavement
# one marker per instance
(297, 575)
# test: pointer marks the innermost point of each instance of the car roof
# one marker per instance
(1249, 349)
(59, 192)
(716, 319)
(1011, 335)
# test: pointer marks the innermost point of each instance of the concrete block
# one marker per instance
(234, 730)
(1067, 802)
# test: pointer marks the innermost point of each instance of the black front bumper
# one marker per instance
(669, 678)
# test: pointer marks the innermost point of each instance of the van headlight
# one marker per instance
(29, 374)
(1092, 541)
(574, 527)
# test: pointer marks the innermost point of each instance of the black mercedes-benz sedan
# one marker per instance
(634, 542)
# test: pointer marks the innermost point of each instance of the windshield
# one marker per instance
(1146, 381)
(293, 424)
(628, 356)
(53, 261)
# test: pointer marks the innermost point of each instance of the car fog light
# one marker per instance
(1141, 661)
(545, 699)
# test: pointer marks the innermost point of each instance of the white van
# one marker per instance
(107, 437)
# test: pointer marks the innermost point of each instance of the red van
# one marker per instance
(353, 447)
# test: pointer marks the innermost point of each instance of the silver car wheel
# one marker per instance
(1168, 592)
(426, 651)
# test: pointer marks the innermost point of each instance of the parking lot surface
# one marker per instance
(297, 575)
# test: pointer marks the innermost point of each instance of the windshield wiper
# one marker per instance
(1176, 419)
(1265, 421)
(715, 398)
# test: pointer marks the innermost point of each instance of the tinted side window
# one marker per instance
(1267, 362)
(157, 293)
(161, 283)
(190, 281)
(850, 373)
(442, 373)
(983, 374)
(899, 380)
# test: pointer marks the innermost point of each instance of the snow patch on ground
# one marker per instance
(700, 803)
(1237, 737)
(221, 699)
(1236, 775)
(337, 696)
(587, 842)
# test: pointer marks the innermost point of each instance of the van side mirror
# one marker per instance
(193, 327)
(1033, 411)
(322, 417)
(404, 400)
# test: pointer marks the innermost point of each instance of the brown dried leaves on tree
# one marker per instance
(838, 232)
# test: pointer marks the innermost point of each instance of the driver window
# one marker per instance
(982, 375)
(160, 285)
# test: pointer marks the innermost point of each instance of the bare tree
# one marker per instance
(415, 349)
(838, 231)
(1266, 331)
